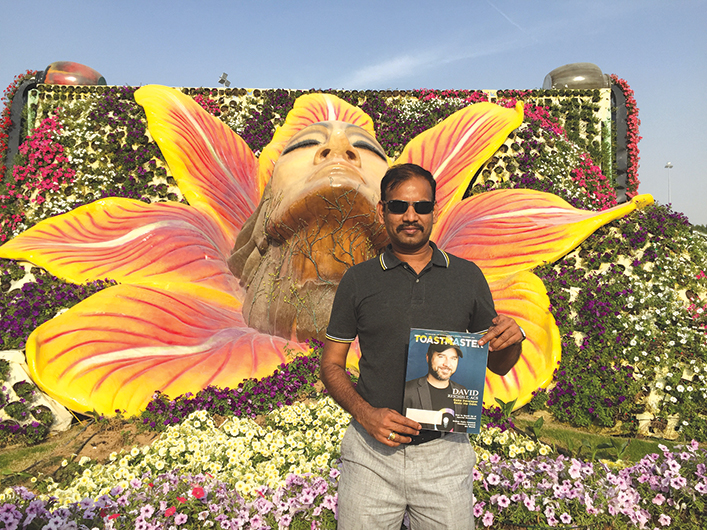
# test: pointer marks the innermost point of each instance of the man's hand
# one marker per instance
(504, 339)
(379, 423)
(503, 333)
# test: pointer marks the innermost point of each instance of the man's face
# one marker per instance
(408, 231)
(443, 364)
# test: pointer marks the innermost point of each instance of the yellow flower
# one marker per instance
(174, 323)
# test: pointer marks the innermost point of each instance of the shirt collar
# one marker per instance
(388, 260)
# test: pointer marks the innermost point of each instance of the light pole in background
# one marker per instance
(669, 166)
(224, 80)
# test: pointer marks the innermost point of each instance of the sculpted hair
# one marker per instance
(400, 173)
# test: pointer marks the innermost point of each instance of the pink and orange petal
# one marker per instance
(213, 166)
(508, 231)
(455, 149)
(115, 349)
(128, 241)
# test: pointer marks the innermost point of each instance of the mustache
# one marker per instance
(408, 225)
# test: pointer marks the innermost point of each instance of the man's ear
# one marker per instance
(380, 212)
(435, 213)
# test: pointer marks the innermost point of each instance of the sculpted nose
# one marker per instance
(338, 146)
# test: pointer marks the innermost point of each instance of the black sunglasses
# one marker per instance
(398, 207)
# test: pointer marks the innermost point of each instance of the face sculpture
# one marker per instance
(316, 219)
(327, 159)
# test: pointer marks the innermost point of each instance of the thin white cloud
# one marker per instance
(388, 73)
(390, 70)
(509, 19)
(549, 30)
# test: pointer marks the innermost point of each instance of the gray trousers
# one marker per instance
(432, 481)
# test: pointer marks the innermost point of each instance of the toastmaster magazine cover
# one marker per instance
(444, 382)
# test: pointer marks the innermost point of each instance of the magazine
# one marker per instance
(444, 381)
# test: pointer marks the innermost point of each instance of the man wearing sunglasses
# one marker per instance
(389, 466)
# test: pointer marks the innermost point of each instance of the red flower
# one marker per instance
(198, 492)
(181, 499)
(113, 516)
(170, 511)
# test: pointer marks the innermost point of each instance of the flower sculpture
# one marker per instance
(175, 321)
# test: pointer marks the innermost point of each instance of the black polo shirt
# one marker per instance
(381, 299)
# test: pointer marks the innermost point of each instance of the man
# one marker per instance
(387, 467)
(434, 391)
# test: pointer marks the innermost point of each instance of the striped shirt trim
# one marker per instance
(337, 339)
(380, 258)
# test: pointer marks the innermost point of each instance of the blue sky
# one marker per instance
(659, 47)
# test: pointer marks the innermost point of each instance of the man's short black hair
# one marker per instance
(442, 347)
(400, 173)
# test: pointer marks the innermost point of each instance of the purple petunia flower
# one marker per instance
(664, 519)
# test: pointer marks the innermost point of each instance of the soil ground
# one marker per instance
(97, 440)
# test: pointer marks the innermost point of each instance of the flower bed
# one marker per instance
(297, 439)
(283, 474)
(664, 490)
(173, 500)
(629, 303)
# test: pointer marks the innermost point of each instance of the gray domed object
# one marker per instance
(576, 75)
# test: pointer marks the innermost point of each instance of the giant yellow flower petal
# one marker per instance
(523, 297)
(213, 166)
(128, 241)
(116, 348)
(455, 149)
(508, 231)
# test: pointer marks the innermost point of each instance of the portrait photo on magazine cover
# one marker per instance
(444, 381)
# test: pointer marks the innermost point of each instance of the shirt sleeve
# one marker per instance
(342, 322)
